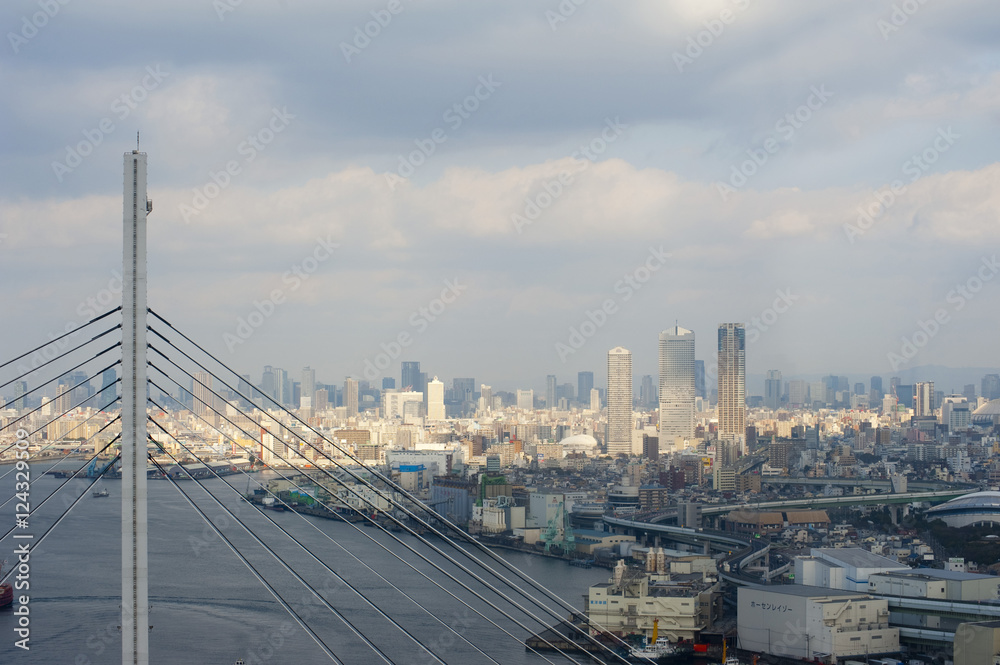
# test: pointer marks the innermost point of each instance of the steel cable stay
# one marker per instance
(71, 369)
(71, 389)
(354, 556)
(292, 538)
(35, 542)
(63, 459)
(63, 484)
(454, 528)
(278, 558)
(52, 420)
(56, 339)
(62, 355)
(404, 526)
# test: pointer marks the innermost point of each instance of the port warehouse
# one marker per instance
(200, 471)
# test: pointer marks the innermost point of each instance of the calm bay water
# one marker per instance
(207, 608)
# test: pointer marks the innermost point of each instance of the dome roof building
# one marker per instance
(970, 509)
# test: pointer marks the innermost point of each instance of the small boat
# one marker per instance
(655, 647)
(102, 492)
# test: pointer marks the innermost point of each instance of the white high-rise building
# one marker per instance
(595, 400)
(732, 386)
(435, 399)
(526, 399)
(619, 439)
(923, 398)
(307, 391)
(485, 398)
(677, 390)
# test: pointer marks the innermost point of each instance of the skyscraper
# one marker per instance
(388, 383)
(267, 383)
(351, 396)
(732, 385)
(619, 437)
(308, 390)
(435, 399)
(676, 386)
(526, 399)
(990, 388)
(109, 388)
(485, 398)
(203, 396)
(772, 390)
(550, 391)
(584, 384)
(699, 379)
(923, 398)
(21, 387)
(875, 391)
(648, 396)
(410, 375)
(281, 387)
(464, 389)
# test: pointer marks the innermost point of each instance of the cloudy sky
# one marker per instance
(513, 188)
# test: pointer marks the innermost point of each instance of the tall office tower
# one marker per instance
(485, 398)
(307, 391)
(281, 387)
(584, 384)
(204, 398)
(109, 389)
(464, 389)
(421, 386)
(859, 388)
(732, 385)
(875, 392)
(923, 398)
(772, 389)
(550, 391)
(410, 375)
(526, 399)
(321, 400)
(64, 398)
(647, 395)
(619, 438)
(699, 379)
(894, 383)
(595, 400)
(990, 386)
(351, 396)
(267, 383)
(676, 387)
(969, 392)
(797, 392)
(21, 387)
(388, 383)
(435, 399)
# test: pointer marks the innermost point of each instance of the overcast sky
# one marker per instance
(510, 167)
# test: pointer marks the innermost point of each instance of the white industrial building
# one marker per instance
(811, 623)
(844, 568)
(936, 584)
